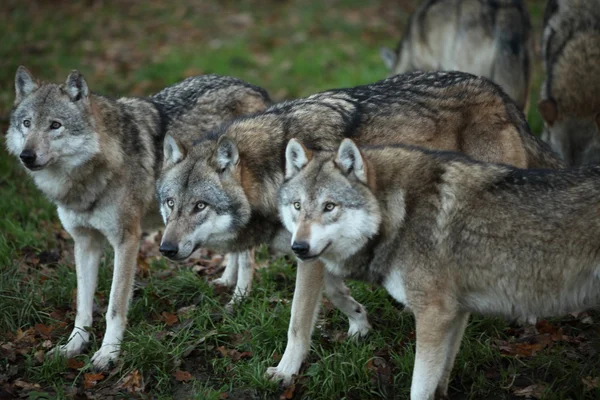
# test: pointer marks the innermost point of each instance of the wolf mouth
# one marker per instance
(315, 256)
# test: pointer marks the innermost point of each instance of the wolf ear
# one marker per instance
(549, 110)
(296, 158)
(174, 152)
(24, 83)
(76, 87)
(350, 161)
(227, 154)
(388, 56)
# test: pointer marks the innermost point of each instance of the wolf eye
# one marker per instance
(170, 203)
(55, 125)
(200, 205)
(329, 206)
(297, 205)
(27, 123)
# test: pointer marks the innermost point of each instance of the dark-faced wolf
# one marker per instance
(98, 159)
(570, 98)
(491, 38)
(221, 192)
(446, 236)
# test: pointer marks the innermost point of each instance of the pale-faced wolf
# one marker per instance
(221, 192)
(491, 38)
(446, 236)
(98, 159)
(570, 98)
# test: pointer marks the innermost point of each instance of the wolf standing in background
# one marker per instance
(446, 236)
(570, 99)
(222, 192)
(98, 159)
(489, 38)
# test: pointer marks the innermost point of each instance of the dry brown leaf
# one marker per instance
(535, 391)
(591, 383)
(74, 364)
(182, 376)
(133, 382)
(168, 318)
(25, 385)
(90, 380)
(288, 393)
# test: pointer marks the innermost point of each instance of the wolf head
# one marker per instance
(201, 199)
(51, 126)
(576, 139)
(327, 202)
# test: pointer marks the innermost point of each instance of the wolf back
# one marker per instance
(489, 38)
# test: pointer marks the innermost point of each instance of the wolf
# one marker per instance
(570, 104)
(221, 192)
(447, 236)
(98, 159)
(491, 38)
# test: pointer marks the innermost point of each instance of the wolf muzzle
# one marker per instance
(169, 249)
(28, 158)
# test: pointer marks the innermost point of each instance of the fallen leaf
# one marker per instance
(591, 383)
(288, 393)
(133, 382)
(90, 380)
(25, 385)
(535, 391)
(182, 376)
(168, 318)
(74, 364)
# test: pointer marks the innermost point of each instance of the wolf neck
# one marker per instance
(78, 188)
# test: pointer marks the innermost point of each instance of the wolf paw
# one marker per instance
(279, 374)
(106, 356)
(359, 328)
(223, 282)
(74, 347)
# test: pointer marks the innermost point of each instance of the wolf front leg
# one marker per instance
(126, 251)
(457, 331)
(305, 306)
(339, 294)
(244, 277)
(230, 275)
(88, 250)
(436, 344)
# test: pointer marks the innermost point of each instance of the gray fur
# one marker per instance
(490, 38)
(98, 159)
(570, 104)
(448, 236)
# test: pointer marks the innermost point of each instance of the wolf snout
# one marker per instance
(169, 249)
(28, 158)
(301, 249)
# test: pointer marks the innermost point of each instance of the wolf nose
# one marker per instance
(169, 249)
(300, 248)
(28, 157)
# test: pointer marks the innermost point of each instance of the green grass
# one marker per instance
(292, 49)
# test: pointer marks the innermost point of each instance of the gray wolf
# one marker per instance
(491, 38)
(221, 193)
(97, 159)
(447, 236)
(570, 104)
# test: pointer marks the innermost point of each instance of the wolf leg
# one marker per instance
(434, 344)
(88, 250)
(339, 294)
(305, 306)
(230, 275)
(126, 251)
(244, 277)
(458, 330)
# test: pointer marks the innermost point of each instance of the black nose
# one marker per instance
(28, 157)
(169, 249)
(300, 248)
